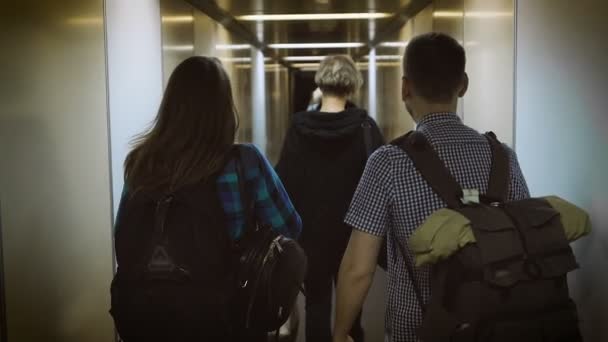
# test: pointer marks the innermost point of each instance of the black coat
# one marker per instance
(322, 160)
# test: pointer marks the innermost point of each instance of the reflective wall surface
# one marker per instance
(488, 35)
(561, 141)
(54, 171)
(134, 68)
(80, 78)
(186, 32)
(486, 30)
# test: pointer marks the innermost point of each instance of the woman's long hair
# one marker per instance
(192, 134)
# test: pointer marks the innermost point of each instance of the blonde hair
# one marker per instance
(338, 75)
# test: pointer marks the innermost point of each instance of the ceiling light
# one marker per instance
(472, 14)
(304, 58)
(315, 66)
(267, 67)
(232, 46)
(314, 45)
(312, 16)
(386, 57)
(240, 59)
(447, 14)
(177, 19)
(235, 59)
(364, 65)
(306, 65)
(178, 47)
(394, 44)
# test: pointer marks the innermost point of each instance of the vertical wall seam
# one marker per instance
(464, 39)
(109, 125)
(372, 84)
(162, 44)
(109, 134)
(514, 120)
(3, 318)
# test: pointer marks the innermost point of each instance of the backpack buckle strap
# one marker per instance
(548, 250)
(496, 236)
(431, 167)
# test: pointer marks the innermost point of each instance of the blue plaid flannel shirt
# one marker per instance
(272, 204)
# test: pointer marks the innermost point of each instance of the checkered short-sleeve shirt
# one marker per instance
(392, 195)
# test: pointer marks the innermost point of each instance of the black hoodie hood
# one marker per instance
(330, 126)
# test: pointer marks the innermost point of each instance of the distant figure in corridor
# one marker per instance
(323, 156)
(185, 171)
(315, 100)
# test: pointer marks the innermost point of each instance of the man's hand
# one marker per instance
(354, 280)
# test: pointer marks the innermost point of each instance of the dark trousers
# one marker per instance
(319, 286)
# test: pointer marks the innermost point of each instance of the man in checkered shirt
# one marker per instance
(394, 199)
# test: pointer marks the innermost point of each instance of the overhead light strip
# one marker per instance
(313, 16)
(178, 47)
(315, 45)
(379, 64)
(315, 66)
(303, 58)
(177, 19)
(267, 67)
(232, 46)
(472, 14)
(394, 44)
(320, 58)
(386, 57)
(240, 59)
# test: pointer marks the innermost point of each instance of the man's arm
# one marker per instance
(354, 280)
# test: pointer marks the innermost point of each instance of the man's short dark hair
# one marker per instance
(434, 63)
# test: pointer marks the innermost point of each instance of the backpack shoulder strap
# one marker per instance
(367, 137)
(498, 187)
(433, 170)
(160, 218)
(247, 201)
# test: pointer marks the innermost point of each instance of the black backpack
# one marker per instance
(175, 267)
(181, 278)
(270, 271)
(511, 285)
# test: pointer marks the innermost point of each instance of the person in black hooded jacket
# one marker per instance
(323, 157)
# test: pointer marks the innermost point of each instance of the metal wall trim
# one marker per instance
(3, 320)
(515, 15)
(395, 23)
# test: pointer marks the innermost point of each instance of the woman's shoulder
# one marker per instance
(250, 154)
(246, 155)
(248, 149)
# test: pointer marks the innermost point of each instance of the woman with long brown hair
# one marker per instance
(179, 259)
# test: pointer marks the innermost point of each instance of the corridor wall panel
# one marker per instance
(489, 43)
(134, 76)
(561, 125)
(54, 171)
